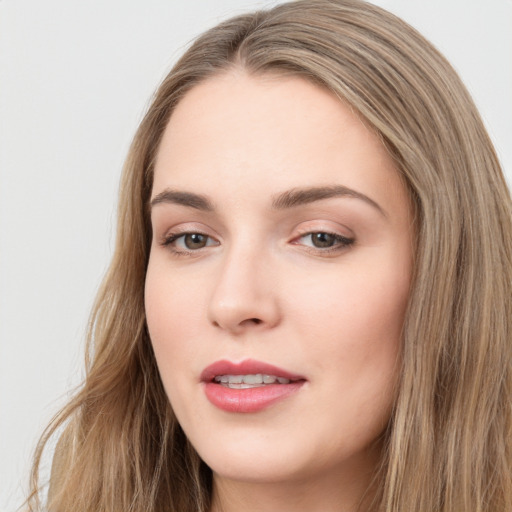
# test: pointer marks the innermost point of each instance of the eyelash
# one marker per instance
(341, 243)
(169, 240)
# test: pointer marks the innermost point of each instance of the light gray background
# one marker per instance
(75, 78)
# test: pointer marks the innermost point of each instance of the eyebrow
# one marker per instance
(300, 196)
(197, 201)
(285, 200)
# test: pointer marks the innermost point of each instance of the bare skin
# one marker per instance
(282, 234)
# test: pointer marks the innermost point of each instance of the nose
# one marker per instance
(244, 297)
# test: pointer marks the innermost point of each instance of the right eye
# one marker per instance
(185, 243)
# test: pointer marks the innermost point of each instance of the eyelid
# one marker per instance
(341, 238)
(319, 226)
(173, 237)
(173, 234)
(185, 228)
(343, 241)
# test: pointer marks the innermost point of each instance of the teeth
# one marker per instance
(253, 379)
(249, 381)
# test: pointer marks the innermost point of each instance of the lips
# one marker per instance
(248, 386)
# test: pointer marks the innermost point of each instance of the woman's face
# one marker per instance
(278, 278)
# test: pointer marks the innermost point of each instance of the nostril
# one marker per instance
(255, 321)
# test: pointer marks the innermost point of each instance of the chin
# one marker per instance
(254, 458)
(255, 469)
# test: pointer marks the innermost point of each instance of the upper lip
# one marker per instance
(245, 367)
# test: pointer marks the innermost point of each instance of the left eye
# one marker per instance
(323, 240)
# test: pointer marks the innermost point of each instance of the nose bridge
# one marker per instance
(242, 297)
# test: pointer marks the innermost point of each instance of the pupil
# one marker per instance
(195, 241)
(323, 239)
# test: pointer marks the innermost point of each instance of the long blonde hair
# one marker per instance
(448, 445)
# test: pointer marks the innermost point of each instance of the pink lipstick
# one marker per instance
(248, 386)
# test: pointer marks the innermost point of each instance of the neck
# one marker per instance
(332, 491)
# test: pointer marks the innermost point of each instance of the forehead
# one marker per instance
(236, 133)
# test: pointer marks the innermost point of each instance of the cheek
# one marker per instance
(171, 304)
(351, 328)
(171, 319)
(351, 307)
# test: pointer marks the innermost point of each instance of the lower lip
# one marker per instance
(251, 399)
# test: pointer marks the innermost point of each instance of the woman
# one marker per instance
(309, 305)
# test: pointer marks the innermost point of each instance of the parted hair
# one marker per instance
(447, 447)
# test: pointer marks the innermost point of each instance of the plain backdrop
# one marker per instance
(75, 79)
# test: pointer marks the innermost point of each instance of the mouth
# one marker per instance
(248, 386)
(249, 381)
